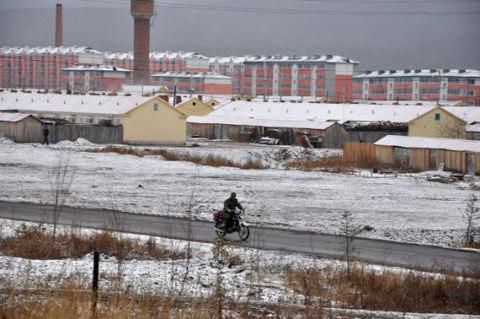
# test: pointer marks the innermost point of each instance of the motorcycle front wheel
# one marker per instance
(244, 233)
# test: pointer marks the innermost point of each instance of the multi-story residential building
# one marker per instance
(194, 83)
(326, 76)
(42, 67)
(418, 85)
(163, 61)
(233, 67)
(95, 78)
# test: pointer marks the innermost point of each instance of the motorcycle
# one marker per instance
(239, 225)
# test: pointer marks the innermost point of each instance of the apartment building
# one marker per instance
(95, 78)
(163, 61)
(42, 68)
(320, 76)
(328, 76)
(440, 85)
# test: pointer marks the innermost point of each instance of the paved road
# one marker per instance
(326, 245)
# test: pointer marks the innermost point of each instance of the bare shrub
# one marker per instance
(208, 160)
(71, 299)
(389, 291)
(348, 230)
(335, 164)
(61, 180)
(470, 215)
(35, 243)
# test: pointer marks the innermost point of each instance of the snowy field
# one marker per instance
(404, 207)
(258, 277)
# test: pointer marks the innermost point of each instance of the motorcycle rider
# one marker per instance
(229, 210)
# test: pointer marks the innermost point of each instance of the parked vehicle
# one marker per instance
(269, 140)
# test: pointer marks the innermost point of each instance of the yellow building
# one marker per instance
(439, 122)
(194, 106)
(144, 119)
(154, 121)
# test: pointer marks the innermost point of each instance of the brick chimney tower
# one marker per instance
(142, 11)
(59, 25)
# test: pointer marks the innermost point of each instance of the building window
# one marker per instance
(437, 116)
(155, 107)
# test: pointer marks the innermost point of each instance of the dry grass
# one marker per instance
(388, 291)
(35, 243)
(72, 299)
(337, 164)
(209, 160)
(475, 245)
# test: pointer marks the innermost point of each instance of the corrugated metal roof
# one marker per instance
(242, 112)
(430, 143)
(72, 104)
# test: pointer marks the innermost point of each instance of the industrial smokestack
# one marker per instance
(142, 11)
(59, 25)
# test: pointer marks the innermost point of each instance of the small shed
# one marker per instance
(21, 128)
(422, 153)
(472, 131)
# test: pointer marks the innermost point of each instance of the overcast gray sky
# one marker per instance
(378, 41)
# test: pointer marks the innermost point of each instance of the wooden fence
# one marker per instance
(358, 152)
(419, 159)
(94, 133)
(28, 130)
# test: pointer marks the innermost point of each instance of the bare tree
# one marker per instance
(349, 229)
(62, 176)
(470, 214)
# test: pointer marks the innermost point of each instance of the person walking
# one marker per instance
(46, 132)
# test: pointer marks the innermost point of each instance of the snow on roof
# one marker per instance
(264, 122)
(12, 117)
(206, 75)
(104, 68)
(71, 104)
(420, 72)
(411, 102)
(430, 143)
(329, 58)
(472, 128)
(239, 112)
(156, 55)
(48, 50)
(467, 113)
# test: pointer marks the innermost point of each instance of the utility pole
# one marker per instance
(174, 94)
(265, 84)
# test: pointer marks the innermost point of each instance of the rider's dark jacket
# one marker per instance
(231, 203)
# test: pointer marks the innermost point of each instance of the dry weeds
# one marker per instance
(33, 242)
(337, 164)
(387, 290)
(208, 160)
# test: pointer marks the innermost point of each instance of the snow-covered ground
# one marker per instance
(405, 207)
(257, 277)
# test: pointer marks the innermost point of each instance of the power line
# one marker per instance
(391, 1)
(202, 7)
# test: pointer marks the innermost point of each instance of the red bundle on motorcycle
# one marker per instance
(218, 215)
